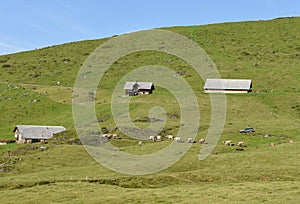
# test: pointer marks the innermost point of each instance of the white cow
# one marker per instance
(153, 138)
(107, 136)
(190, 140)
(158, 138)
(241, 144)
(177, 139)
(272, 144)
(201, 140)
(169, 137)
(227, 142)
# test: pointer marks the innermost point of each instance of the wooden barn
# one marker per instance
(33, 133)
(138, 88)
(228, 86)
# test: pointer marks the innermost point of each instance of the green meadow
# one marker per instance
(36, 88)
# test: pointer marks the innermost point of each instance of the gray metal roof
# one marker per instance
(228, 84)
(142, 85)
(38, 132)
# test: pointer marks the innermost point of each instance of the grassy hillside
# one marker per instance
(268, 52)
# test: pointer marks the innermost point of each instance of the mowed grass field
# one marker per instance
(268, 52)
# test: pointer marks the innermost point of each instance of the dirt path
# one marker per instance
(37, 85)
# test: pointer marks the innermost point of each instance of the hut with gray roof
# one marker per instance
(228, 86)
(35, 133)
(138, 88)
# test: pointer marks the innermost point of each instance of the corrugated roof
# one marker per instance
(39, 132)
(142, 85)
(228, 84)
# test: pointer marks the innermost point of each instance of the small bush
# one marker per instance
(6, 66)
(104, 130)
(3, 60)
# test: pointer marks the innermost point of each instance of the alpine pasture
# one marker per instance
(36, 89)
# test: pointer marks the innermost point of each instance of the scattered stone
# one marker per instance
(42, 148)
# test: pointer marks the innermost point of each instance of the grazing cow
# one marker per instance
(169, 137)
(241, 144)
(201, 141)
(153, 138)
(140, 143)
(190, 140)
(177, 139)
(158, 138)
(272, 144)
(107, 136)
(114, 136)
(291, 141)
(227, 142)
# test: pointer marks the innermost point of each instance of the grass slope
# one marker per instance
(268, 52)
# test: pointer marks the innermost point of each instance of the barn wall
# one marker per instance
(140, 92)
(145, 91)
(225, 91)
(128, 91)
(18, 137)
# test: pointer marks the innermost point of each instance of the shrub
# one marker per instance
(6, 66)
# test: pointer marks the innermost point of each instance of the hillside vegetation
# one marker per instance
(36, 88)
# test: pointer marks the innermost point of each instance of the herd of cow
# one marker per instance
(230, 143)
(157, 138)
(160, 138)
(176, 139)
